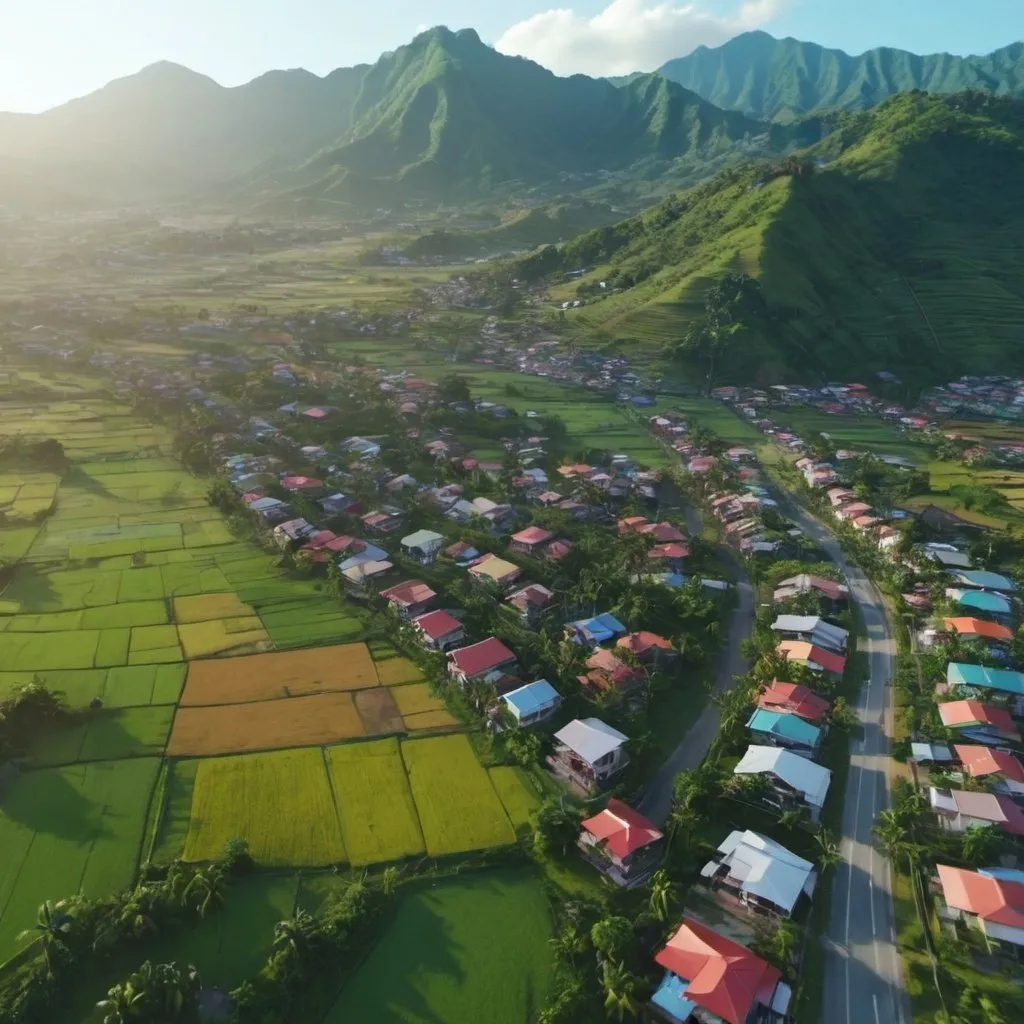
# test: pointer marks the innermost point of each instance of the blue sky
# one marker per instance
(53, 50)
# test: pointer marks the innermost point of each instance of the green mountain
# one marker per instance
(447, 117)
(894, 244)
(168, 131)
(772, 78)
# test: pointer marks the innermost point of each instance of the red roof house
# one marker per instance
(992, 900)
(978, 629)
(794, 699)
(958, 714)
(607, 672)
(410, 598)
(631, 524)
(488, 658)
(979, 761)
(301, 483)
(722, 976)
(530, 540)
(621, 843)
(439, 630)
(646, 646)
(663, 533)
(530, 601)
(802, 653)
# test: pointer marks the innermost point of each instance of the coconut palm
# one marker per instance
(53, 924)
(981, 844)
(569, 944)
(828, 849)
(619, 990)
(292, 936)
(389, 880)
(205, 890)
(789, 819)
(663, 894)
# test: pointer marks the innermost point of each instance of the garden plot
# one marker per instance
(396, 671)
(476, 949)
(458, 807)
(64, 830)
(280, 674)
(378, 816)
(265, 725)
(281, 803)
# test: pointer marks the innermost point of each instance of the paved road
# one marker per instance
(693, 747)
(863, 973)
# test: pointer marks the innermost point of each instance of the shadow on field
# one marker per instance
(47, 802)
(32, 588)
(77, 478)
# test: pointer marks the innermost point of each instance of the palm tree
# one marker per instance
(122, 1003)
(293, 935)
(619, 989)
(981, 844)
(791, 818)
(205, 890)
(569, 944)
(389, 880)
(53, 924)
(828, 849)
(663, 894)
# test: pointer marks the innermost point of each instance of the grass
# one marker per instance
(458, 807)
(107, 734)
(280, 802)
(517, 792)
(861, 433)
(64, 830)
(469, 950)
(376, 809)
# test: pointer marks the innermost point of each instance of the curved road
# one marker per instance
(863, 973)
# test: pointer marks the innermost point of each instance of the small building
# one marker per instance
(984, 723)
(362, 579)
(535, 702)
(598, 629)
(486, 661)
(622, 844)
(833, 594)
(1000, 768)
(981, 579)
(410, 599)
(991, 900)
(382, 521)
(439, 631)
(995, 605)
(817, 659)
(531, 541)
(812, 629)
(710, 979)
(779, 729)
(958, 809)
(605, 671)
(492, 570)
(648, 648)
(588, 754)
(530, 602)
(462, 553)
(761, 875)
(794, 781)
(293, 531)
(979, 629)
(795, 699)
(423, 546)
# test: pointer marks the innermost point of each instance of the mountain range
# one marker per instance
(779, 79)
(893, 244)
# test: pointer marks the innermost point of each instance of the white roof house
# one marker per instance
(797, 772)
(590, 738)
(813, 628)
(764, 869)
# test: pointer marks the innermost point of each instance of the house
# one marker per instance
(813, 629)
(301, 484)
(946, 556)
(668, 557)
(958, 809)
(293, 531)
(998, 767)
(795, 781)
(648, 648)
(828, 590)
(852, 510)
(486, 661)
(762, 875)
(588, 754)
(362, 578)
(992, 900)
(598, 629)
(838, 496)
(982, 722)
(462, 553)
(622, 844)
(270, 510)
(979, 629)
(817, 659)
(607, 672)
(410, 599)
(340, 504)
(358, 552)
(794, 700)
(709, 978)
(423, 546)
(491, 569)
(995, 605)
(1002, 681)
(439, 631)
(530, 602)
(981, 579)
(779, 729)
(535, 702)
(382, 521)
(530, 541)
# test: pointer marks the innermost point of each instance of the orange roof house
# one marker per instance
(802, 653)
(969, 627)
(993, 900)
(979, 761)
(794, 700)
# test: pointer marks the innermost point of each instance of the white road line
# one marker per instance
(874, 999)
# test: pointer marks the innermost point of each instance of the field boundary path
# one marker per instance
(864, 982)
(695, 743)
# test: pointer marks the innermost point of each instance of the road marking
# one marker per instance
(874, 999)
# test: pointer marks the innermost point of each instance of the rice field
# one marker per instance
(458, 806)
(518, 795)
(64, 830)
(280, 802)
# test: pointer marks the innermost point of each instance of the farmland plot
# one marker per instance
(378, 816)
(65, 829)
(457, 805)
(281, 803)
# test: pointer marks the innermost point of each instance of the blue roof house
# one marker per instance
(982, 579)
(596, 630)
(981, 678)
(982, 601)
(533, 702)
(780, 729)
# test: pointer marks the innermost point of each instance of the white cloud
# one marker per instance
(629, 35)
